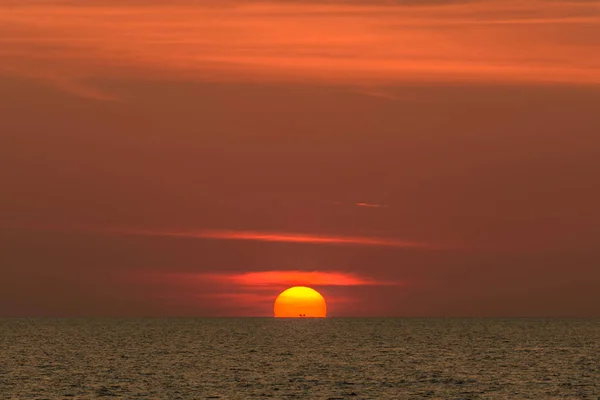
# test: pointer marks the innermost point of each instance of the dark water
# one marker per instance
(316, 359)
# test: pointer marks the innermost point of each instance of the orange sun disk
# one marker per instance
(300, 301)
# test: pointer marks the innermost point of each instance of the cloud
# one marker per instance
(370, 205)
(360, 44)
(251, 293)
(84, 90)
(294, 278)
(72, 84)
(282, 237)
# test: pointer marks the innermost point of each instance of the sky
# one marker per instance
(406, 158)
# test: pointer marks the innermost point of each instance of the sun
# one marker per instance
(300, 301)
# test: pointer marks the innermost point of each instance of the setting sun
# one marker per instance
(300, 301)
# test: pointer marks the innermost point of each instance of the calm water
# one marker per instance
(320, 359)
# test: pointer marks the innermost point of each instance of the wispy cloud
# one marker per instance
(362, 44)
(84, 90)
(371, 205)
(283, 237)
(291, 278)
(74, 84)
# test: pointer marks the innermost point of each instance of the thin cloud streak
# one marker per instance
(284, 237)
(370, 205)
(291, 278)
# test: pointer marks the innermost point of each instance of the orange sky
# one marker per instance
(350, 43)
(407, 158)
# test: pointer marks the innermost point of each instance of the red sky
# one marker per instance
(405, 158)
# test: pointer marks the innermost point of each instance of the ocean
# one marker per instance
(333, 358)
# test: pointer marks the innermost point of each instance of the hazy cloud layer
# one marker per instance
(364, 44)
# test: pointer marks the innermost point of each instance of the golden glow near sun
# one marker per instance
(298, 302)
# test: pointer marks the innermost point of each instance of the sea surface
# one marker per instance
(249, 358)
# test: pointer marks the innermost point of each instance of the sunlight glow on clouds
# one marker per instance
(292, 278)
(284, 237)
(252, 293)
(337, 43)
